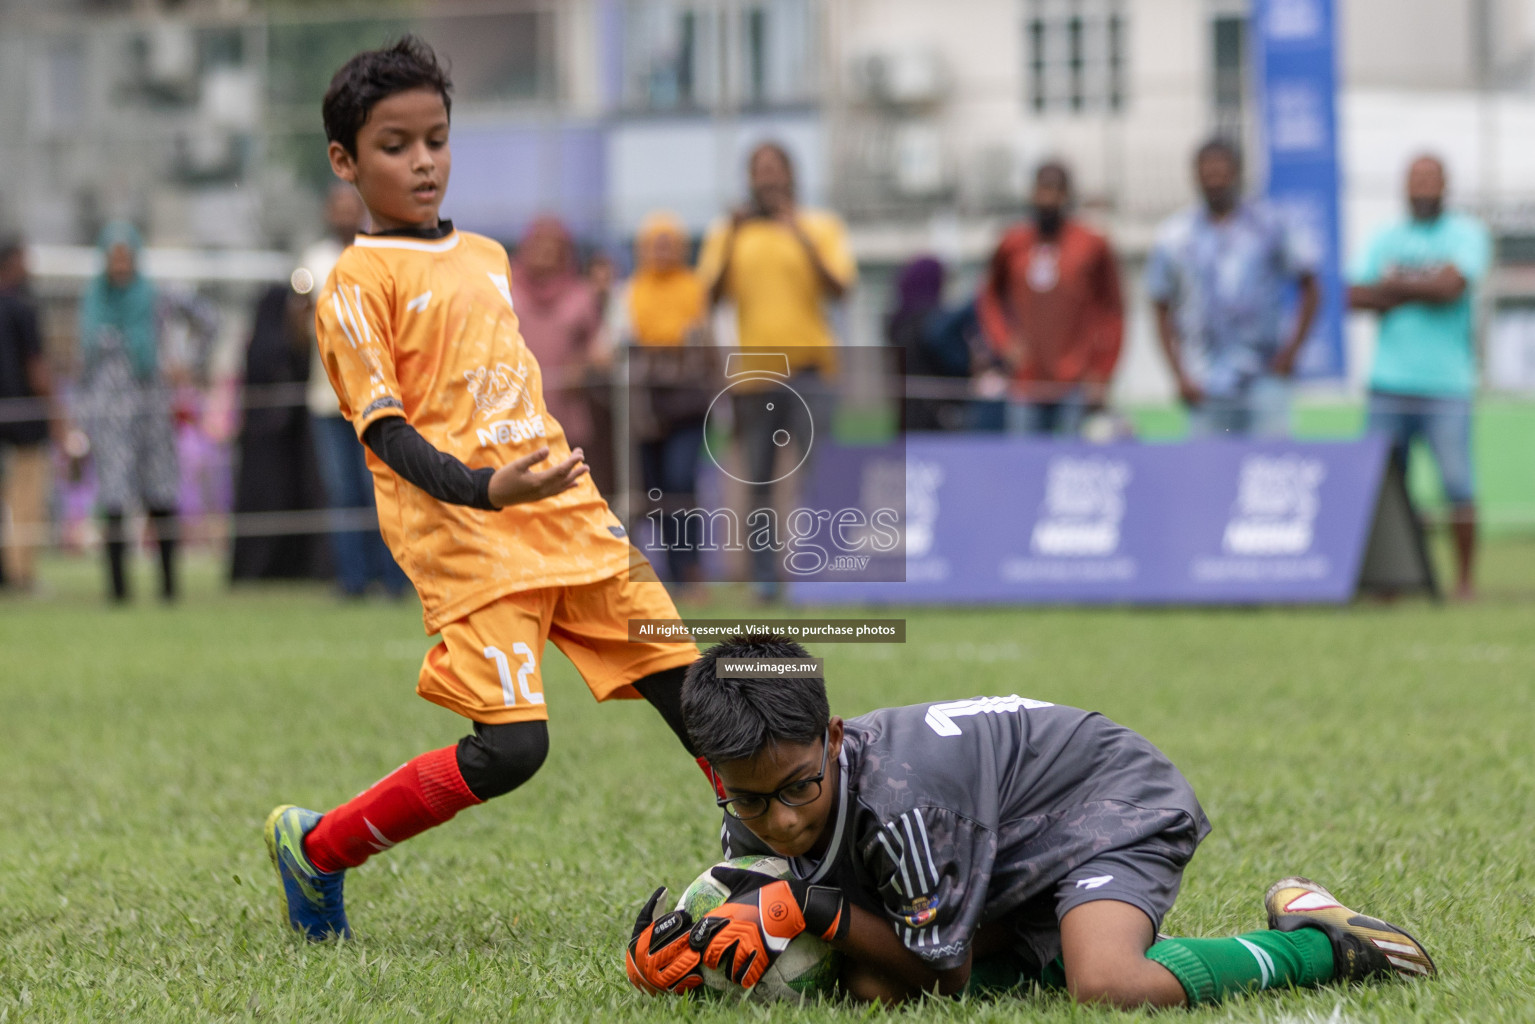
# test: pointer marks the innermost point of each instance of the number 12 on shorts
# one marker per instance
(509, 688)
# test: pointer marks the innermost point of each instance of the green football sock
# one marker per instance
(1004, 973)
(1211, 969)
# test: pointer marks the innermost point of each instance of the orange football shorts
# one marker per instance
(488, 665)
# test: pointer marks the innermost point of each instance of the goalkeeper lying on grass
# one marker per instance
(969, 846)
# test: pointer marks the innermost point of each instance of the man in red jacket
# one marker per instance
(1051, 312)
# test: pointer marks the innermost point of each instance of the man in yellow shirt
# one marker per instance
(779, 264)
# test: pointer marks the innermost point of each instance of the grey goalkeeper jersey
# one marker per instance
(953, 814)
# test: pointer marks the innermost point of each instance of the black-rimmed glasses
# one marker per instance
(793, 794)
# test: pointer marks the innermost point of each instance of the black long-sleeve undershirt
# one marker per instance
(417, 460)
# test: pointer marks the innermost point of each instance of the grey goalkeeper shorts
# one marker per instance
(1145, 874)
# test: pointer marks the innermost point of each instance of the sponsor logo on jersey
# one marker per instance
(920, 912)
(500, 388)
(511, 431)
(1276, 506)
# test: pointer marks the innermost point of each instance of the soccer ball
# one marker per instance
(809, 967)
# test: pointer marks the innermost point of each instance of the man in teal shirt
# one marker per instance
(1420, 276)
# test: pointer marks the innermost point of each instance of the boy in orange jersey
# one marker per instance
(419, 338)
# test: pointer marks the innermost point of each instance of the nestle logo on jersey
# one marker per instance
(511, 431)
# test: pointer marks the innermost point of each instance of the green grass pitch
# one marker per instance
(1388, 751)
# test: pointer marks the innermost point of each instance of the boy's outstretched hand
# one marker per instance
(517, 482)
(659, 958)
(750, 930)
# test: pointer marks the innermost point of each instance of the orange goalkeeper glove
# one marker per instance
(659, 958)
(750, 930)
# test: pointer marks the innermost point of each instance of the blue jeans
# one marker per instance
(755, 426)
(1061, 418)
(1443, 423)
(1263, 410)
(361, 555)
(670, 466)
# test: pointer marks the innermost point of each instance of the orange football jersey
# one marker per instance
(424, 329)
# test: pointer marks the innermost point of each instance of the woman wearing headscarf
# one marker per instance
(933, 340)
(664, 314)
(127, 408)
(277, 469)
(560, 316)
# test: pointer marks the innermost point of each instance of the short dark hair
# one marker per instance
(729, 719)
(374, 75)
(1054, 169)
(1219, 146)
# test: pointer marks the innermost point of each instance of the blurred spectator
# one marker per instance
(934, 344)
(1052, 314)
(126, 405)
(24, 382)
(778, 264)
(602, 275)
(1219, 274)
(277, 471)
(362, 558)
(189, 329)
(673, 374)
(560, 316)
(1420, 275)
(665, 303)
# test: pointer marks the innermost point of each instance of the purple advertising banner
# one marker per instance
(1006, 520)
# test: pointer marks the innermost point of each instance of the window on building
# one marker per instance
(703, 54)
(671, 55)
(1228, 62)
(508, 57)
(1076, 52)
(62, 93)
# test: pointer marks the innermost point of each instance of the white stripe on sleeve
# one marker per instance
(896, 860)
(338, 300)
(901, 860)
(362, 314)
(916, 856)
(927, 848)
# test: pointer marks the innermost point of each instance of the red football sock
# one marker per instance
(714, 780)
(419, 794)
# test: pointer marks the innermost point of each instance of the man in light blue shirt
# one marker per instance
(1220, 275)
(1420, 276)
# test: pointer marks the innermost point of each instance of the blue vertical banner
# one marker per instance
(1295, 54)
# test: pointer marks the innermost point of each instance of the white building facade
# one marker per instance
(920, 121)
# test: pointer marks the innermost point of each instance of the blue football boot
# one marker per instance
(315, 906)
